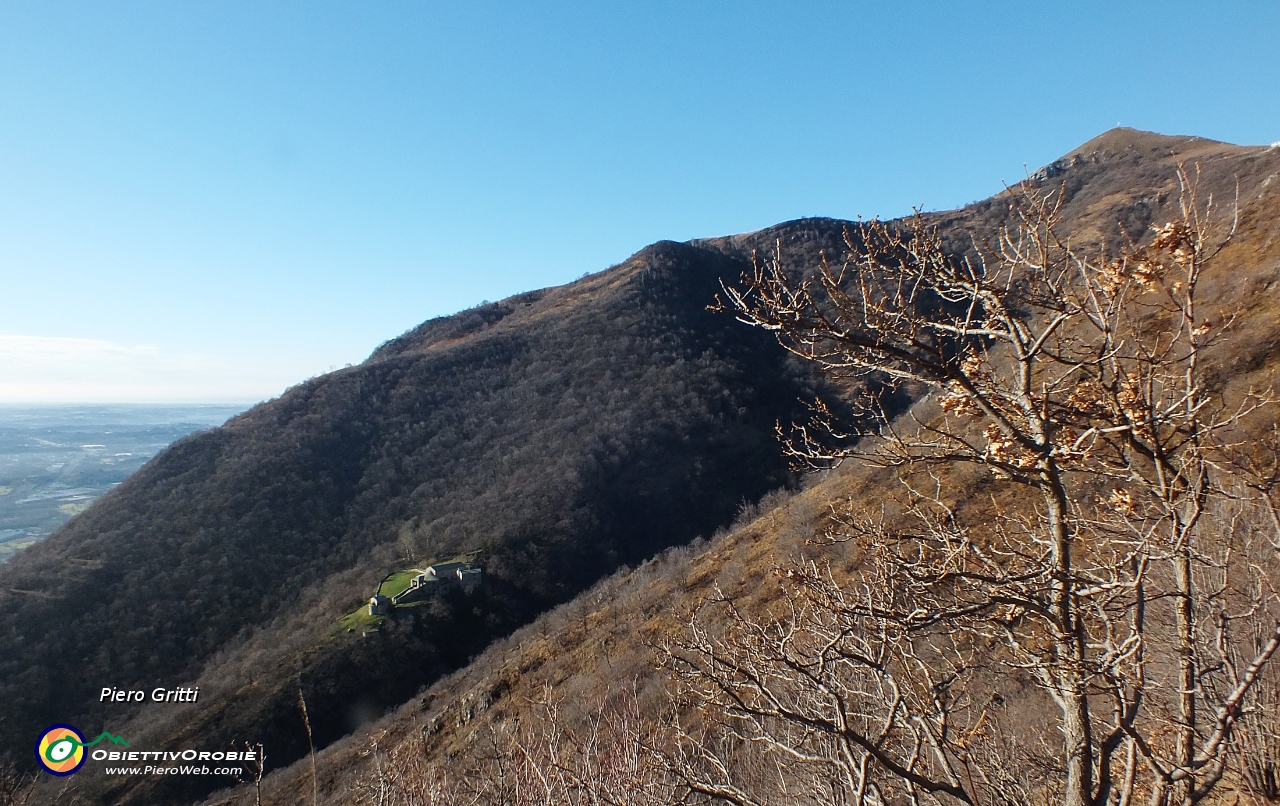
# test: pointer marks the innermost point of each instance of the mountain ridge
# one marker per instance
(653, 431)
(599, 646)
(565, 432)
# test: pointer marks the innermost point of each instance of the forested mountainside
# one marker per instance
(598, 654)
(562, 433)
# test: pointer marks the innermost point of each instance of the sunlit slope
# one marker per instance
(602, 643)
(561, 433)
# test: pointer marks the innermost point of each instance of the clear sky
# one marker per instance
(214, 201)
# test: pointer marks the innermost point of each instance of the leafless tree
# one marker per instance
(306, 721)
(611, 759)
(15, 785)
(1114, 575)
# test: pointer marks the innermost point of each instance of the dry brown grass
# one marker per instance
(603, 642)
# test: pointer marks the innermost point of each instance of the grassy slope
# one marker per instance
(602, 640)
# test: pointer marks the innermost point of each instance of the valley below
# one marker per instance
(56, 460)
(610, 449)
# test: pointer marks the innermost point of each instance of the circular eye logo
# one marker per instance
(60, 750)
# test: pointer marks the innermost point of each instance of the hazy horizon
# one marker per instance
(56, 459)
(219, 201)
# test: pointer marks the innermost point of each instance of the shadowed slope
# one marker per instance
(561, 433)
(599, 645)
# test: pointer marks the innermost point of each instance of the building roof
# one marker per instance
(445, 569)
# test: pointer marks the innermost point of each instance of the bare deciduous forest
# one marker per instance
(1036, 566)
(1050, 581)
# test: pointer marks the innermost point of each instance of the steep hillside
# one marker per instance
(601, 647)
(586, 652)
(561, 433)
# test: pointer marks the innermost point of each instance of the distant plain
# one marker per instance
(55, 460)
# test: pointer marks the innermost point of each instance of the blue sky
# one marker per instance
(213, 201)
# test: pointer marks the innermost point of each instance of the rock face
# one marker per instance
(1056, 168)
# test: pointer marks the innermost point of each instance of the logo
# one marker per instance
(60, 749)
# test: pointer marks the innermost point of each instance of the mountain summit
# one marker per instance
(559, 435)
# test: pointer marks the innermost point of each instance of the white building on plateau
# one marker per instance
(437, 578)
